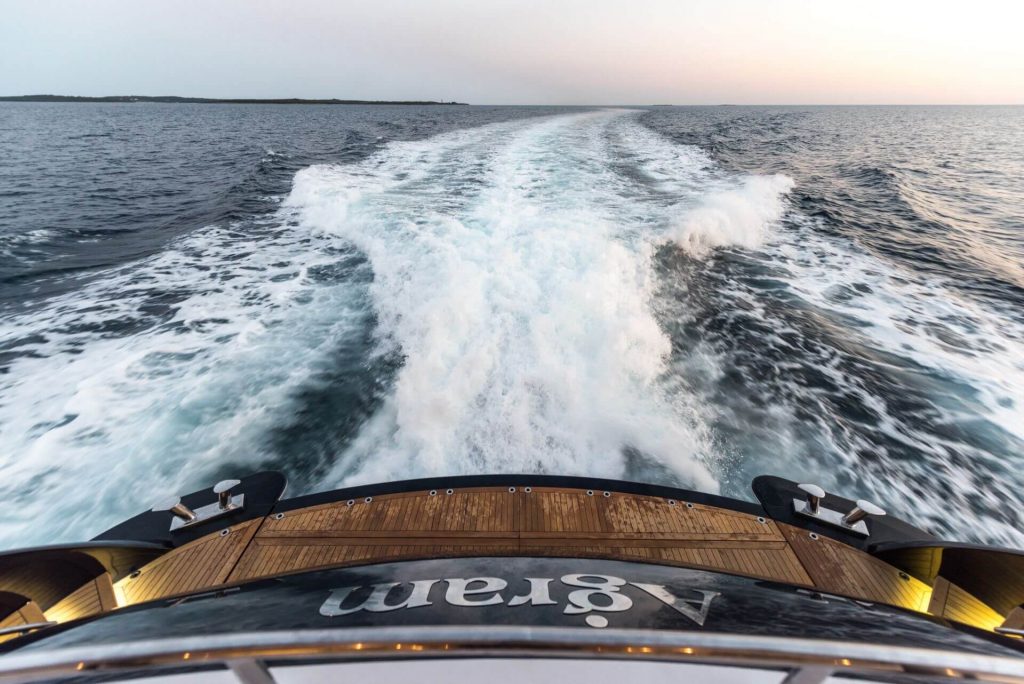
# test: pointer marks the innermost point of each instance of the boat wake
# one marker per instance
(542, 295)
(513, 271)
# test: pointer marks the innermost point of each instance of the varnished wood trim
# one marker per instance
(937, 602)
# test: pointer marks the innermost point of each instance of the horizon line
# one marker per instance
(318, 100)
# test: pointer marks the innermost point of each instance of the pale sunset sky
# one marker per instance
(521, 51)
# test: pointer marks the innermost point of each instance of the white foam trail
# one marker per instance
(523, 314)
(965, 360)
(95, 423)
(511, 270)
(738, 216)
(919, 317)
(975, 350)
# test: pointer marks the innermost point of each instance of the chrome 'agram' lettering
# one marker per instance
(590, 593)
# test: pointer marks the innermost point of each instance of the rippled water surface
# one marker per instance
(691, 296)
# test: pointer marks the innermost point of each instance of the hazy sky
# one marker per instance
(521, 51)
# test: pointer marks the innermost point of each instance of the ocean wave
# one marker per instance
(740, 216)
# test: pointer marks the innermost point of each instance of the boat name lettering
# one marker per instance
(589, 593)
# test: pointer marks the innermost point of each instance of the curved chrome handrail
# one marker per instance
(239, 649)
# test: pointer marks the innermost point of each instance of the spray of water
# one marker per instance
(511, 273)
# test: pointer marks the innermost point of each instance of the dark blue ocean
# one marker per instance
(686, 295)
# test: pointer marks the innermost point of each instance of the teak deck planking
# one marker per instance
(28, 614)
(95, 596)
(950, 601)
(542, 521)
(205, 562)
(836, 567)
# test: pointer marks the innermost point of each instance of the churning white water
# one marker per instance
(514, 273)
(510, 269)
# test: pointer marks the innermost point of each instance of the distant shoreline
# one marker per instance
(171, 99)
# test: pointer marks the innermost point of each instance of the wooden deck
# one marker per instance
(837, 568)
(206, 562)
(551, 522)
(950, 601)
(539, 522)
(28, 613)
(95, 596)
(520, 521)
